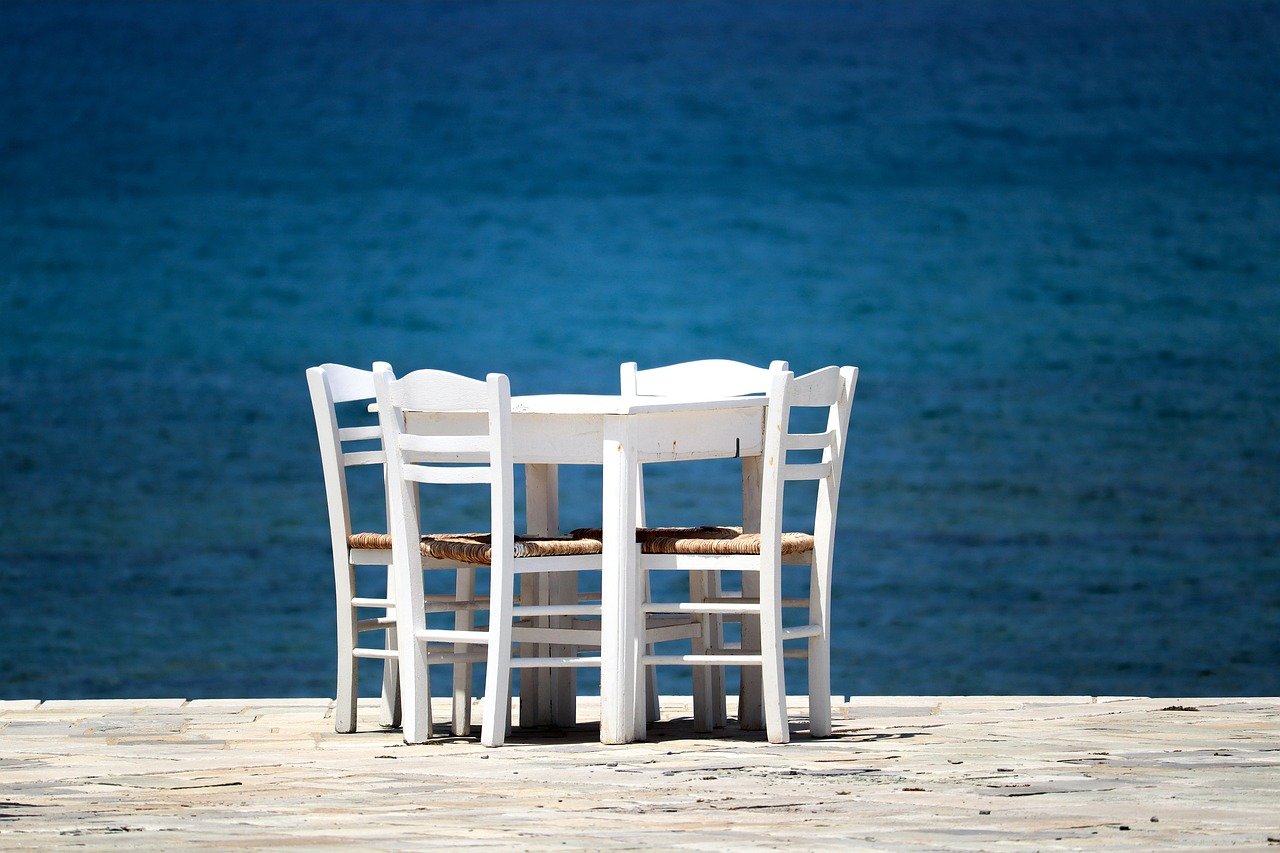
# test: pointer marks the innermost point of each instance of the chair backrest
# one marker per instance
(830, 388)
(445, 456)
(331, 385)
(712, 375)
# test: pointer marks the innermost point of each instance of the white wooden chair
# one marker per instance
(331, 385)
(730, 379)
(763, 554)
(343, 447)
(444, 429)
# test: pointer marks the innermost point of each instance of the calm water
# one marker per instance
(1048, 232)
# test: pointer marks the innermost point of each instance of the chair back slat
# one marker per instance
(809, 440)
(806, 471)
(441, 475)
(363, 457)
(439, 391)
(444, 458)
(713, 375)
(450, 445)
(819, 388)
(347, 384)
(360, 433)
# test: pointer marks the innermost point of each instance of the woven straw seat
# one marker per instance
(703, 540)
(477, 548)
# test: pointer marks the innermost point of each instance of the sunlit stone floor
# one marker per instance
(960, 773)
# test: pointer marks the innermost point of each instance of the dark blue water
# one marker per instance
(1048, 233)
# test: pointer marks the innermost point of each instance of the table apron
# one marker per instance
(578, 439)
(675, 436)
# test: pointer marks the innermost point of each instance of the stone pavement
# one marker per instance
(900, 773)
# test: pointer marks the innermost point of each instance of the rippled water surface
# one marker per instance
(1048, 233)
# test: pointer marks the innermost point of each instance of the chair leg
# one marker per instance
(819, 658)
(653, 702)
(415, 694)
(463, 620)
(497, 687)
(344, 709)
(719, 705)
(389, 713)
(750, 713)
(819, 687)
(775, 698)
(771, 670)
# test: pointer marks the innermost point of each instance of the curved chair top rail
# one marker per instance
(730, 378)
(346, 384)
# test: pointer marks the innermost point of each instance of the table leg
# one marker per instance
(541, 515)
(622, 712)
(542, 489)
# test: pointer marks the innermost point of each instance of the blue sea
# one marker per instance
(1048, 233)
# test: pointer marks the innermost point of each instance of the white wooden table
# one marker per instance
(620, 434)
